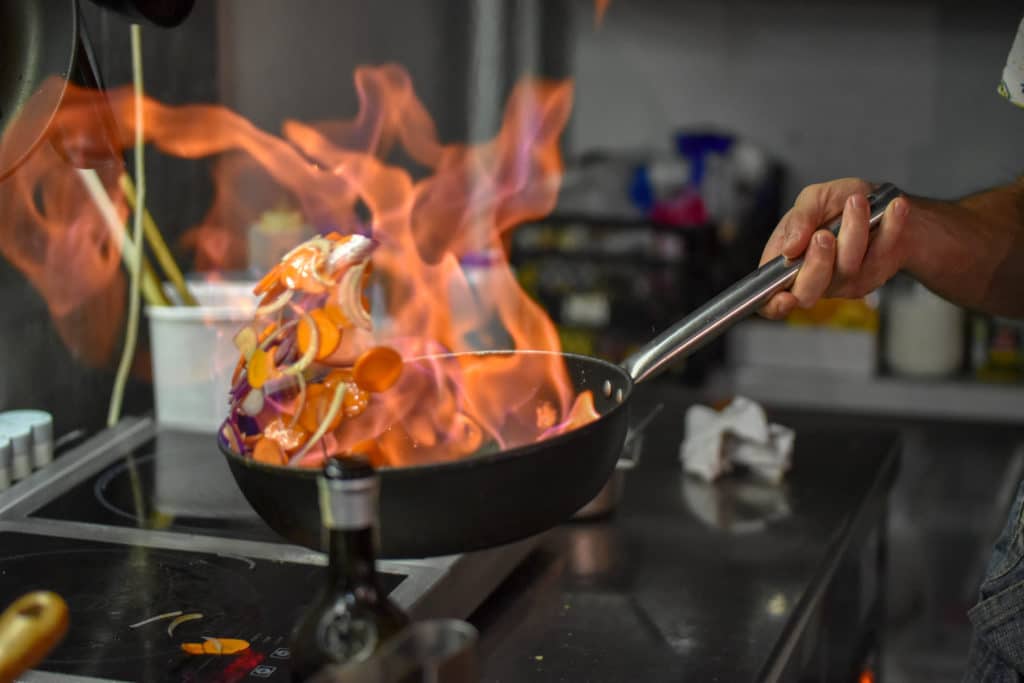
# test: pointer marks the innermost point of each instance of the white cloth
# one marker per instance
(1012, 84)
(715, 442)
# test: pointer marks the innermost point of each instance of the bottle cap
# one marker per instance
(21, 448)
(41, 425)
(349, 488)
(6, 456)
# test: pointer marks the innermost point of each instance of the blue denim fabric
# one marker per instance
(997, 648)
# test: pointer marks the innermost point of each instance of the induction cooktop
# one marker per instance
(158, 555)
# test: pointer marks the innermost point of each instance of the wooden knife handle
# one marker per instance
(29, 628)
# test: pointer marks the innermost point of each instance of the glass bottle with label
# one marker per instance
(352, 616)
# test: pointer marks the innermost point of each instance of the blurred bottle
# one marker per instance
(998, 349)
(353, 616)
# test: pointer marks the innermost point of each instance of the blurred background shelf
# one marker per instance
(951, 399)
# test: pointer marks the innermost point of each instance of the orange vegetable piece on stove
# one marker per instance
(328, 334)
(269, 451)
(261, 366)
(216, 646)
(377, 369)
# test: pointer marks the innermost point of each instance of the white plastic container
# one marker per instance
(924, 333)
(194, 355)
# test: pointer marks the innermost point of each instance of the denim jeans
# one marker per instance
(997, 647)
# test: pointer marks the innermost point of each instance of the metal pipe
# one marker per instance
(735, 303)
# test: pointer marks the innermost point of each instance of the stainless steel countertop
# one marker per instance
(689, 581)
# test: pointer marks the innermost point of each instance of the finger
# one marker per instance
(815, 206)
(779, 306)
(816, 272)
(884, 254)
(853, 237)
(773, 247)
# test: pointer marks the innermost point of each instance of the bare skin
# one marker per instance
(969, 251)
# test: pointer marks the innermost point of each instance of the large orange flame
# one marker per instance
(338, 173)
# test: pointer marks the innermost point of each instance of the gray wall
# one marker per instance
(282, 60)
(903, 91)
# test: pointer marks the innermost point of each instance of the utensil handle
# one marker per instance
(735, 303)
(29, 629)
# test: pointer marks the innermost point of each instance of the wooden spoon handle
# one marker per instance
(29, 628)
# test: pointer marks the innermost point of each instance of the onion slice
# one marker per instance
(310, 354)
(165, 615)
(252, 404)
(332, 412)
(302, 400)
(351, 297)
(217, 646)
(246, 341)
(275, 305)
(192, 616)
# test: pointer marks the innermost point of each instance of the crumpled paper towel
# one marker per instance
(740, 434)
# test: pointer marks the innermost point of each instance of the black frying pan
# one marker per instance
(490, 500)
(43, 46)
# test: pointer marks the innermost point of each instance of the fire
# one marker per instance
(339, 175)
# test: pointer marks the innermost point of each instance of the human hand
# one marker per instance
(849, 266)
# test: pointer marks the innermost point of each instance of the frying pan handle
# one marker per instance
(734, 304)
(29, 629)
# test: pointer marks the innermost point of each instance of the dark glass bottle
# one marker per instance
(352, 616)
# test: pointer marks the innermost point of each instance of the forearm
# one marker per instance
(971, 251)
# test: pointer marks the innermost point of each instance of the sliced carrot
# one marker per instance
(368, 447)
(272, 294)
(309, 418)
(336, 377)
(377, 369)
(269, 451)
(268, 281)
(333, 236)
(328, 335)
(318, 402)
(336, 315)
(261, 366)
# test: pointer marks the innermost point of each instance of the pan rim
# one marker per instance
(453, 465)
(9, 118)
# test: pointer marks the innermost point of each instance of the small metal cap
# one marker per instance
(40, 423)
(21, 448)
(349, 489)
(348, 467)
(6, 457)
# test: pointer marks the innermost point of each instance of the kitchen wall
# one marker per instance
(903, 91)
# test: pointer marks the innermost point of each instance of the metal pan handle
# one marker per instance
(735, 303)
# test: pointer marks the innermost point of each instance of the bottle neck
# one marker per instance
(349, 515)
(352, 557)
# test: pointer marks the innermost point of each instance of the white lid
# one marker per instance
(38, 421)
(20, 437)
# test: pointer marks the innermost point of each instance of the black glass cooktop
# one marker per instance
(174, 481)
(126, 602)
